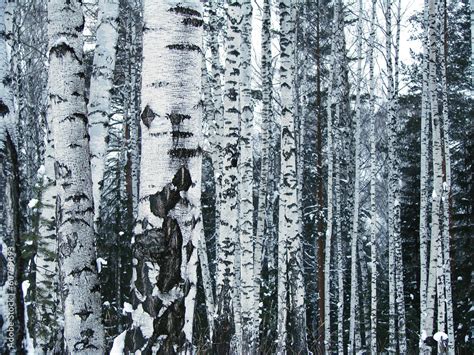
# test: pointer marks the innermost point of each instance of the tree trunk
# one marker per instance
(167, 229)
(227, 317)
(83, 331)
(99, 109)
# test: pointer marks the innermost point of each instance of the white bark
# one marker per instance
(83, 331)
(330, 193)
(373, 181)
(339, 248)
(47, 298)
(168, 229)
(98, 109)
(247, 285)
(354, 335)
(228, 237)
(262, 213)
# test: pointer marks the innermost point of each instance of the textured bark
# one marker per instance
(373, 177)
(83, 331)
(339, 247)
(263, 203)
(354, 334)
(290, 277)
(47, 280)
(227, 317)
(98, 109)
(168, 223)
(246, 232)
(424, 198)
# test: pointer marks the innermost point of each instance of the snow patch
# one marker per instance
(41, 171)
(33, 202)
(100, 262)
(127, 308)
(119, 344)
(439, 336)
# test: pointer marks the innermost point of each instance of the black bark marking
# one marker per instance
(181, 10)
(170, 261)
(189, 250)
(184, 47)
(83, 314)
(134, 340)
(164, 201)
(4, 110)
(177, 118)
(171, 324)
(194, 22)
(182, 179)
(184, 153)
(60, 50)
(148, 116)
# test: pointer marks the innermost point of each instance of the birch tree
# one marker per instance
(354, 334)
(290, 277)
(98, 109)
(83, 332)
(373, 176)
(166, 233)
(262, 214)
(227, 292)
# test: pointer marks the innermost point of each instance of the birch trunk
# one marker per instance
(373, 181)
(99, 109)
(83, 331)
(339, 250)
(290, 277)
(437, 166)
(247, 286)
(47, 281)
(330, 196)
(228, 237)
(168, 230)
(446, 187)
(262, 214)
(354, 335)
(424, 159)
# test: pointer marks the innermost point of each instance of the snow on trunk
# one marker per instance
(100, 95)
(168, 229)
(47, 280)
(83, 331)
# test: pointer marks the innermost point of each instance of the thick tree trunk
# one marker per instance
(167, 229)
(83, 331)
(98, 109)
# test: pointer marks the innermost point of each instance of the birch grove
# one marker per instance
(236, 177)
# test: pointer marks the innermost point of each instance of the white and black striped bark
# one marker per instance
(246, 209)
(99, 106)
(47, 268)
(167, 231)
(290, 265)
(373, 177)
(354, 334)
(83, 331)
(227, 292)
(263, 204)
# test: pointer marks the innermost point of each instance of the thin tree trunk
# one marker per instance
(373, 181)
(339, 248)
(228, 238)
(98, 109)
(354, 331)
(262, 213)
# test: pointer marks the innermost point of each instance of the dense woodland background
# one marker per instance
(261, 176)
